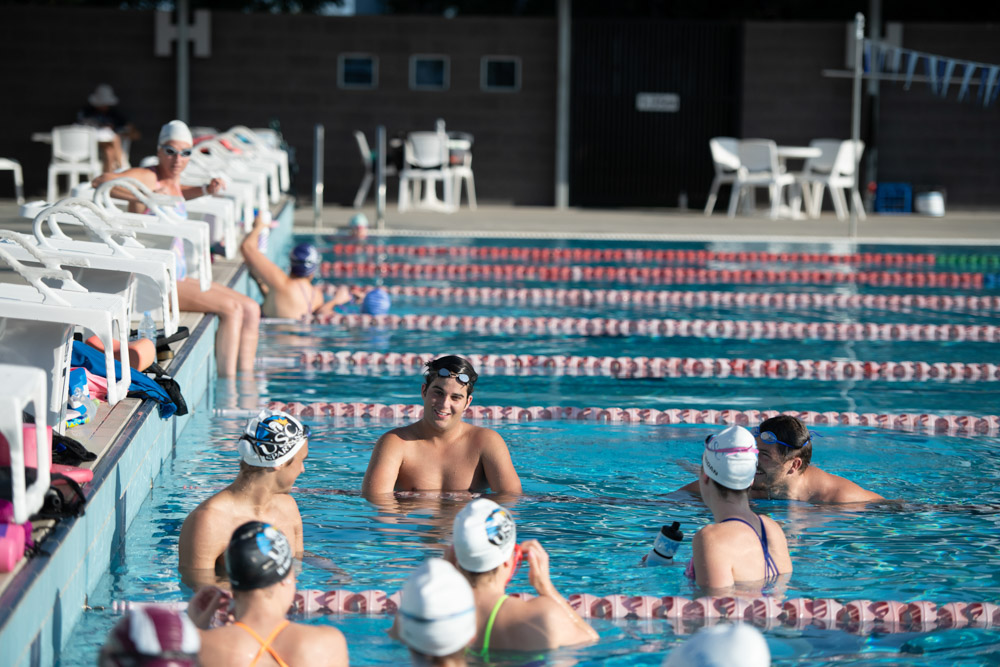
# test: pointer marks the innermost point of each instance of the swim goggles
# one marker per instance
(445, 373)
(518, 555)
(171, 151)
(769, 438)
(729, 450)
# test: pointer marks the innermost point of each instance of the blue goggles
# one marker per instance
(445, 373)
(769, 438)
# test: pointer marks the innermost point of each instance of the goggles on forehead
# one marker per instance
(445, 373)
(171, 151)
(769, 438)
(728, 450)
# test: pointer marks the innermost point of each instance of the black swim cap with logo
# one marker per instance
(258, 556)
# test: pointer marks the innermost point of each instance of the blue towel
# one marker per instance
(93, 360)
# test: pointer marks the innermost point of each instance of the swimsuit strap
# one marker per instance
(770, 568)
(489, 626)
(265, 644)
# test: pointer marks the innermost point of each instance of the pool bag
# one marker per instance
(170, 386)
(142, 386)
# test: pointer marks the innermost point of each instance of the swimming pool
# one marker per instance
(595, 494)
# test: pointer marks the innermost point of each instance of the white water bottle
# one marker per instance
(665, 546)
(147, 327)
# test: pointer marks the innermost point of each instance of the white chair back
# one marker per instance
(425, 150)
(725, 153)
(845, 161)
(759, 155)
(363, 148)
(74, 143)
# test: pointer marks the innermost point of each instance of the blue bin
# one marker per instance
(894, 198)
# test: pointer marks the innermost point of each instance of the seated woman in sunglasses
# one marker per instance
(239, 315)
(740, 546)
(784, 470)
(486, 551)
(441, 452)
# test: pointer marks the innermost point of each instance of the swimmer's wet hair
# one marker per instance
(791, 430)
(454, 364)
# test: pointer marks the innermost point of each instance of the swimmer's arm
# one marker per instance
(341, 296)
(497, 464)
(215, 186)
(199, 547)
(383, 468)
(711, 572)
(691, 488)
(263, 269)
(562, 625)
(322, 562)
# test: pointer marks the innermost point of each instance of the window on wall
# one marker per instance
(429, 72)
(357, 70)
(501, 74)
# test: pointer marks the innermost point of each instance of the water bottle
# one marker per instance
(147, 327)
(665, 545)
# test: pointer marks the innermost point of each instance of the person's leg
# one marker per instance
(239, 317)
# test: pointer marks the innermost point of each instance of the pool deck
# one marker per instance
(955, 228)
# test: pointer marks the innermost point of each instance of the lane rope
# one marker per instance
(636, 255)
(693, 298)
(856, 616)
(652, 275)
(665, 367)
(905, 421)
(673, 328)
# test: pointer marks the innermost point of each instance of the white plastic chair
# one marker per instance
(21, 387)
(726, 161)
(759, 168)
(267, 149)
(248, 190)
(72, 305)
(368, 162)
(462, 171)
(425, 160)
(74, 152)
(834, 169)
(7, 164)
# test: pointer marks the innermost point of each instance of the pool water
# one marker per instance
(596, 494)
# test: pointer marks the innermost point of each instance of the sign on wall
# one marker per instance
(658, 102)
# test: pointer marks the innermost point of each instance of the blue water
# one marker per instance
(595, 494)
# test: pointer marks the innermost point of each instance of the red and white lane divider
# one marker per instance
(668, 367)
(907, 421)
(673, 328)
(858, 616)
(633, 255)
(690, 298)
(648, 275)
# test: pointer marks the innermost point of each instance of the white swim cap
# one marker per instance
(727, 645)
(437, 611)
(272, 438)
(484, 535)
(730, 457)
(176, 130)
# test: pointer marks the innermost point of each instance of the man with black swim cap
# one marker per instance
(272, 450)
(293, 295)
(259, 566)
(441, 452)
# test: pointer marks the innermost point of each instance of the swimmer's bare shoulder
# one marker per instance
(386, 460)
(319, 645)
(832, 488)
(496, 460)
(206, 532)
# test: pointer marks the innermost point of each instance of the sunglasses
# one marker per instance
(729, 450)
(518, 557)
(171, 151)
(445, 373)
(769, 438)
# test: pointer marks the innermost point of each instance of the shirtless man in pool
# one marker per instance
(441, 452)
(784, 471)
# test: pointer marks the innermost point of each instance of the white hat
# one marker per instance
(730, 457)
(484, 535)
(103, 96)
(726, 645)
(176, 130)
(437, 611)
(272, 438)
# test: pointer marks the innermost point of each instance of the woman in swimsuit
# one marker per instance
(740, 546)
(239, 315)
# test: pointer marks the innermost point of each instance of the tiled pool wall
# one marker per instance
(43, 602)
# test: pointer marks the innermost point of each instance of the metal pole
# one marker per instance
(318, 176)
(562, 106)
(183, 67)
(871, 141)
(380, 178)
(859, 37)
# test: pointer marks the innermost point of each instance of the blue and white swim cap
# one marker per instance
(272, 438)
(377, 302)
(304, 260)
(258, 556)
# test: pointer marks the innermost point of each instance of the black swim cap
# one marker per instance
(258, 556)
